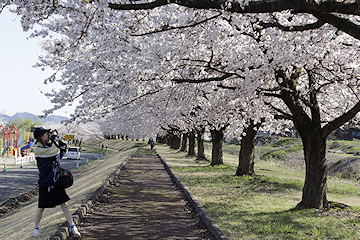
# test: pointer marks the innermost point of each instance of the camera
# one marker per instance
(54, 137)
(54, 132)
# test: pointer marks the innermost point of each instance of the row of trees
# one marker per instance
(24, 124)
(82, 131)
(183, 67)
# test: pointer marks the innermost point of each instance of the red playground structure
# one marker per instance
(11, 145)
(10, 141)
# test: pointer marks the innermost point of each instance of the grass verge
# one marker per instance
(262, 206)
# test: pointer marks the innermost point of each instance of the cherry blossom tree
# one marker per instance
(81, 131)
(112, 60)
(340, 14)
(319, 67)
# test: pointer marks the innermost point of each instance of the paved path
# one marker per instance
(142, 204)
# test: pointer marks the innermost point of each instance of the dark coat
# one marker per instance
(46, 157)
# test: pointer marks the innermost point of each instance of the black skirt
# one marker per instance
(52, 198)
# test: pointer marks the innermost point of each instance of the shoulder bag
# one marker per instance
(65, 176)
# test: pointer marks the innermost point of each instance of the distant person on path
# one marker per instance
(102, 147)
(51, 194)
(151, 142)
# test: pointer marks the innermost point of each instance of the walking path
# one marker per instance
(142, 203)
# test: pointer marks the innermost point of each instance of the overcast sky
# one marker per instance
(20, 82)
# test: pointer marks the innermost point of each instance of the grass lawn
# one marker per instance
(262, 206)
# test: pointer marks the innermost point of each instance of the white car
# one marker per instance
(73, 153)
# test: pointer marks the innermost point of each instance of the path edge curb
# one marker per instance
(63, 231)
(209, 222)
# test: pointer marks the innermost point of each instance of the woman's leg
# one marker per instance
(67, 213)
(38, 216)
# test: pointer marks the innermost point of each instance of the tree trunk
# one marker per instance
(217, 137)
(312, 130)
(171, 140)
(247, 151)
(178, 141)
(313, 137)
(315, 187)
(191, 144)
(184, 142)
(175, 141)
(200, 140)
(161, 139)
(168, 140)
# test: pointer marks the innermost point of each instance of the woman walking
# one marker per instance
(51, 193)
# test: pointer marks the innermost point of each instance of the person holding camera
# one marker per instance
(48, 150)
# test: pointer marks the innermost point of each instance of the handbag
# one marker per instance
(66, 178)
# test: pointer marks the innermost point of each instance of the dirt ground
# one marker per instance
(15, 202)
(143, 203)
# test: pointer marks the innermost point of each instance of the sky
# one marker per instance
(21, 84)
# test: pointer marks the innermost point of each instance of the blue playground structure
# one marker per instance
(32, 143)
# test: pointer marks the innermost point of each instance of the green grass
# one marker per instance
(113, 145)
(263, 206)
(344, 146)
(91, 149)
(279, 149)
(269, 149)
(282, 152)
(286, 142)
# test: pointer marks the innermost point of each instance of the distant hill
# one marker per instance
(55, 118)
(50, 118)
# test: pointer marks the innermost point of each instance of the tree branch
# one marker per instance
(269, 94)
(140, 6)
(4, 5)
(167, 28)
(220, 85)
(204, 80)
(137, 98)
(281, 115)
(261, 6)
(321, 10)
(342, 24)
(276, 24)
(338, 122)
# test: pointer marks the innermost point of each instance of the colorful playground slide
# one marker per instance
(4, 151)
(32, 143)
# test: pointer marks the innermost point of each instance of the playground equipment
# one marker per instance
(4, 151)
(10, 140)
(30, 144)
(11, 143)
